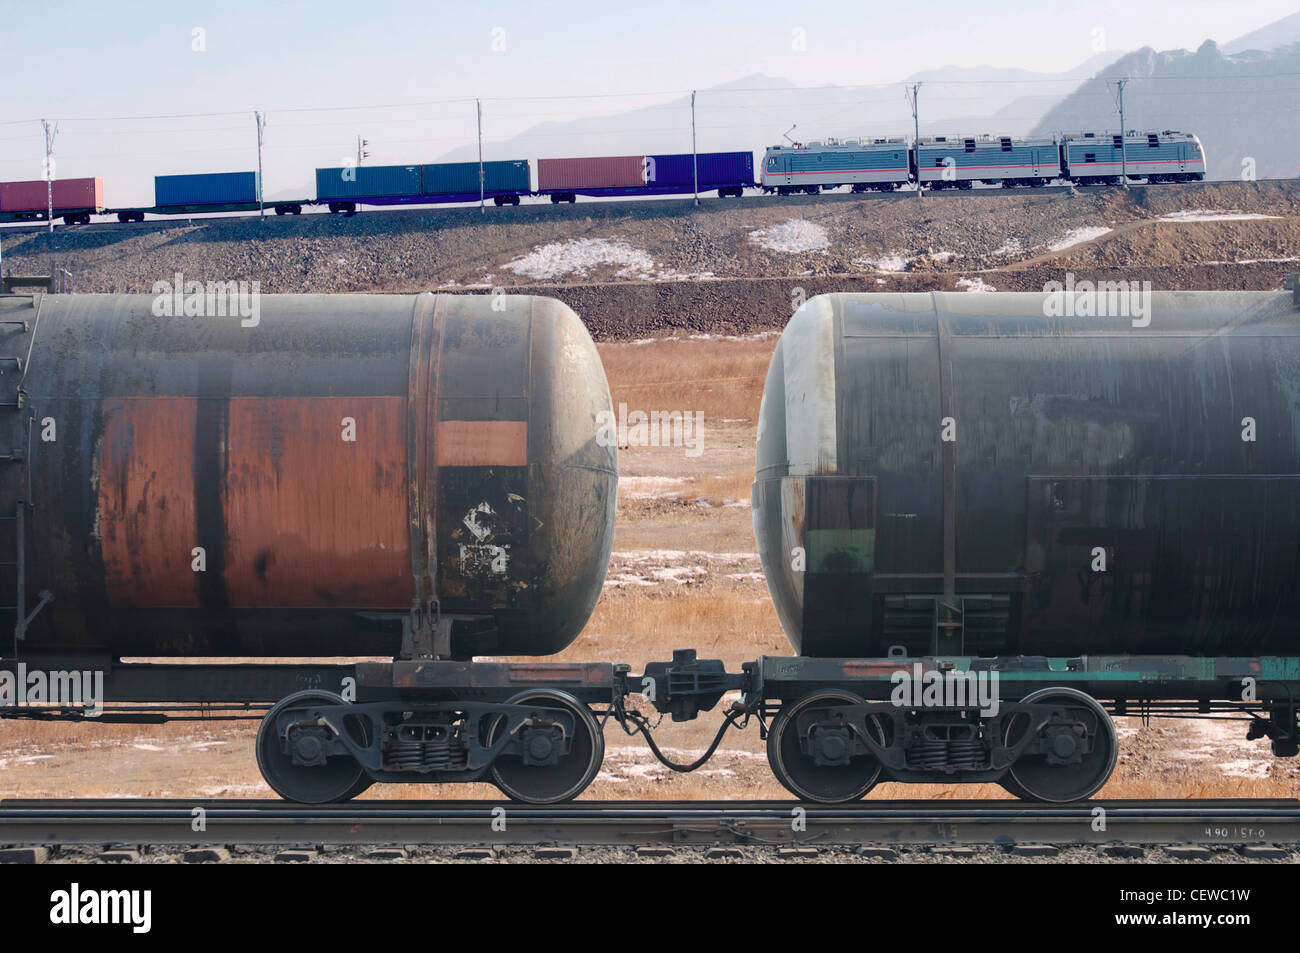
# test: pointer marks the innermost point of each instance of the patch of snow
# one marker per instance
(894, 261)
(1011, 246)
(653, 567)
(657, 555)
(1255, 261)
(648, 488)
(1077, 236)
(1210, 215)
(974, 284)
(756, 336)
(580, 255)
(792, 237)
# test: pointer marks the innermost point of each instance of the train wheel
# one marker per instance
(570, 775)
(339, 779)
(1034, 778)
(796, 768)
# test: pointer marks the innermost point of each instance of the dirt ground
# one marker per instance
(684, 574)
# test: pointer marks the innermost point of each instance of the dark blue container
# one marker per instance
(215, 188)
(376, 184)
(716, 169)
(460, 179)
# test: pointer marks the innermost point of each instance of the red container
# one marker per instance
(69, 195)
(605, 172)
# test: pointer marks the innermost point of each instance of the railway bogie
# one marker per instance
(540, 745)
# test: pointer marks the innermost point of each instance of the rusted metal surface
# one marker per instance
(481, 443)
(377, 676)
(306, 518)
(1122, 436)
(341, 460)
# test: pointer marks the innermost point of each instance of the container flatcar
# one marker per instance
(73, 199)
(503, 181)
(730, 173)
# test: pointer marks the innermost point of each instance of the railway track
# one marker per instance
(228, 822)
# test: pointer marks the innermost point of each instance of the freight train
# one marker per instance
(986, 529)
(1086, 158)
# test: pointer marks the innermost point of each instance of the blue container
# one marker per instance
(675, 172)
(216, 188)
(377, 184)
(510, 177)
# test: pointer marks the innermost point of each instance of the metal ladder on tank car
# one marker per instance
(19, 320)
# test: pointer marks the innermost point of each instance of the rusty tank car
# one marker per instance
(1091, 507)
(300, 486)
(364, 475)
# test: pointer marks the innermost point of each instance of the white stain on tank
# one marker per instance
(808, 355)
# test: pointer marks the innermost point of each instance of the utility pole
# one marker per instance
(361, 149)
(695, 159)
(912, 96)
(51, 130)
(482, 181)
(261, 202)
(1123, 139)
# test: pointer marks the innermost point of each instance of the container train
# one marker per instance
(939, 162)
(1061, 519)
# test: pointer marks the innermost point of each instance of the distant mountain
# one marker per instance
(755, 111)
(998, 100)
(1243, 107)
(1277, 34)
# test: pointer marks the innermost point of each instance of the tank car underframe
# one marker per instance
(329, 731)
(1031, 707)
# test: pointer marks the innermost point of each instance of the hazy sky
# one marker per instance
(100, 60)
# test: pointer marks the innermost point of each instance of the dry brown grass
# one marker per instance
(718, 489)
(722, 379)
(640, 625)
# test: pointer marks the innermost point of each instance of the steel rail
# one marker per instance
(228, 822)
